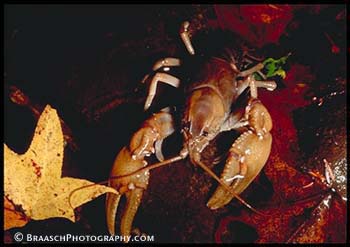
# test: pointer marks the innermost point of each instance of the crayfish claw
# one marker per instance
(125, 175)
(158, 150)
(112, 201)
(133, 201)
(247, 155)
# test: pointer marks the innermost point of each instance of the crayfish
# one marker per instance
(211, 92)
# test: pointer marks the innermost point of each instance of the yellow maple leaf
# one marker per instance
(13, 217)
(33, 180)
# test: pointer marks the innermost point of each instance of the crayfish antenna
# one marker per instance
(83, 187)
(204, 167)
(151, 167)
(168, 162)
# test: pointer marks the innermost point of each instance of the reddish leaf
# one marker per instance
(288, 207)
(260, 24)
(316, 228)
(289, 99)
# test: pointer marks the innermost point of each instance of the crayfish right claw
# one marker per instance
(247, 155)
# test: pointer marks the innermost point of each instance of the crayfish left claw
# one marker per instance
(129, 185)
(125, 176)
(112, 201)
(133, 201)
(158, 149)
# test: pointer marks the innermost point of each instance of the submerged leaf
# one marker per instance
(13, 217)
(33, 179)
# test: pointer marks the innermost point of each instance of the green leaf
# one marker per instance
(257, 77)
(281, 73)
(274, 67)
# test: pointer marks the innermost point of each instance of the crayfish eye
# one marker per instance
(205, 133)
